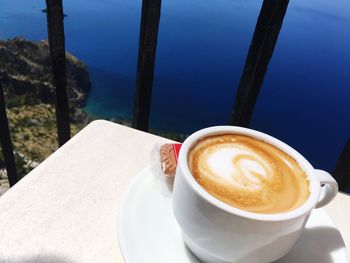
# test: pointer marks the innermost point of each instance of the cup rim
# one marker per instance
(314, 184)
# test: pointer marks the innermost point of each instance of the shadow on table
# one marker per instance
(38, 259)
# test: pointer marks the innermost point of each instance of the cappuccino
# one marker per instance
(248, 173)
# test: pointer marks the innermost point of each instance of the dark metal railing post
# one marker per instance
(150, 16)
(58, 60)
(342, 169)
(260, 52)
(5, 140)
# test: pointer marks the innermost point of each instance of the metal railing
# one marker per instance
(5, 140)
(261, 49)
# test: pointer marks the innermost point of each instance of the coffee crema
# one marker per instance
(248, 173)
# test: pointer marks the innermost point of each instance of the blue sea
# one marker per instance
(202, 46)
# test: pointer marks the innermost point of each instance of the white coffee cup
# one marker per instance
(217, 232)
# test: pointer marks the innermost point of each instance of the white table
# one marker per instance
(65, 210)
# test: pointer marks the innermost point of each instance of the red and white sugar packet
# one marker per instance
(168, 154)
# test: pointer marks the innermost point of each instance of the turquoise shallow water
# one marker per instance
(201, 52)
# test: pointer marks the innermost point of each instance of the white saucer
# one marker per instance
(148, 231)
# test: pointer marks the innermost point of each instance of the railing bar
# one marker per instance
(261, 49)
(150, 16)
(5, 140)
(342, 169)
(55, 28)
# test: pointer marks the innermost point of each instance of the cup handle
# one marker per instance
(329, 188)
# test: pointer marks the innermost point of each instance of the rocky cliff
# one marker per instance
(30, 96)
(27, 74)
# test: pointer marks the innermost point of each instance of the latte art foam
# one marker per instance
(248, 174)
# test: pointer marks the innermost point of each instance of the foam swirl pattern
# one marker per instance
(248, 173)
